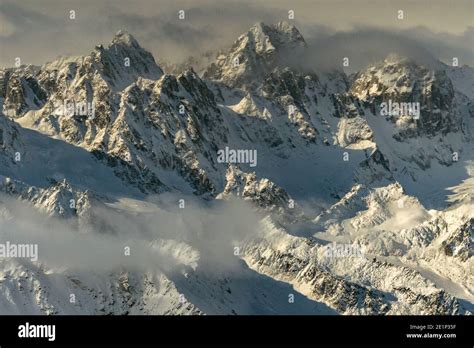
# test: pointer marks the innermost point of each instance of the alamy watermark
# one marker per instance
(73, 108)
(400, 109)
(342, 250)
(28, 330)
(13, 250)
(228, 155)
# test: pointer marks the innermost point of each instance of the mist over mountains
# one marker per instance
(367, 31)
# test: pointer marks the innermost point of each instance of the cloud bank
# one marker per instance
(363, 30)
(164, 238)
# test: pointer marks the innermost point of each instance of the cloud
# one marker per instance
(165, 238)
(213, 26)
(367, 45)
(160, 31)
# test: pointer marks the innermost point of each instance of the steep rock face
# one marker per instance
(20, 91)
(10, 141)
(295, 94)
(172, 124)
(400, 80)
(73, 79)
(376, 168)
(123, 60)
(95, 80)
(354, 133)
(390, 94)
(262, 193)
(265, 70)
(158, 122)
(459, 243)
(91, 86)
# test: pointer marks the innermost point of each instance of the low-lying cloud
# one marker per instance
(165, 238)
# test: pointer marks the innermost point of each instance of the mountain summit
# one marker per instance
(123, 60)
(255, 53)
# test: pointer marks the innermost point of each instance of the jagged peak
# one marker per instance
(275, 35)
(282, 27)
(122, 42)
(399, 72)
(120, 63)
(124, 38)
(124, 60)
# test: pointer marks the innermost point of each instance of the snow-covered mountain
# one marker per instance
(343, 209)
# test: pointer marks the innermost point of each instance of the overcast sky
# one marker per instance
(39, 31)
